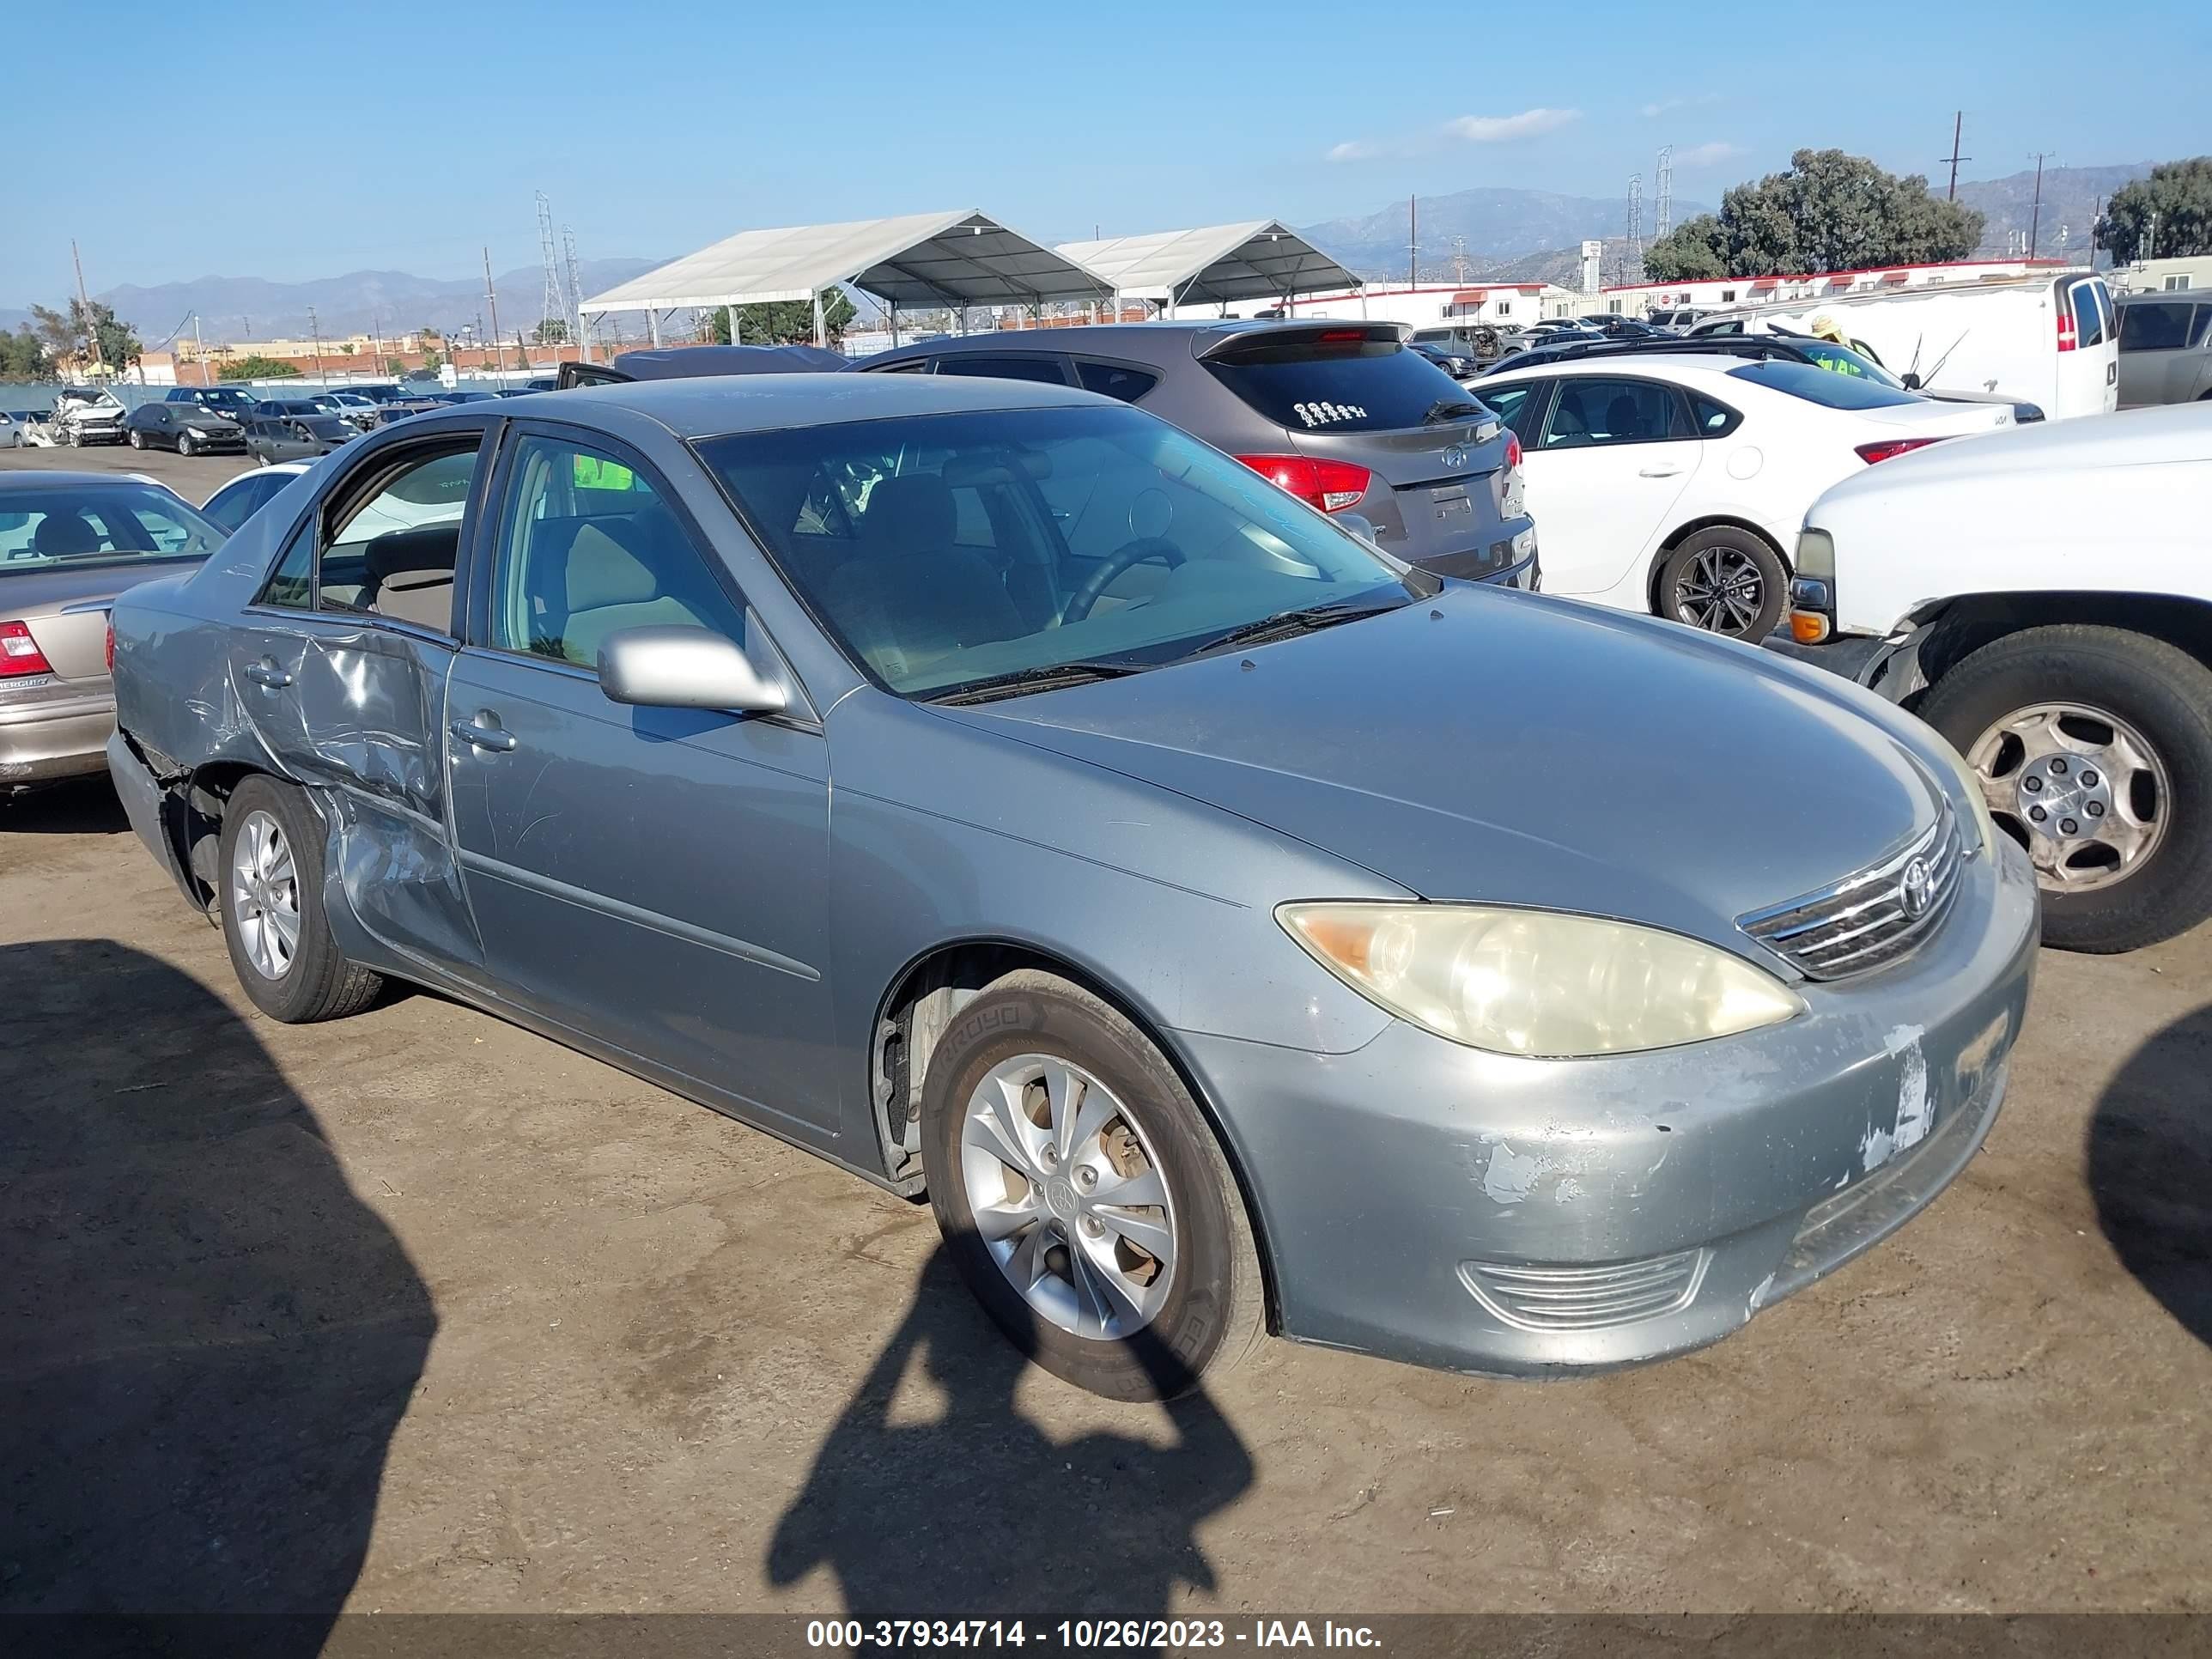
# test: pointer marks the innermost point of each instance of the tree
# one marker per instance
(433, 361)
(1830, 211)
(72, 335)
(783, 322)
(394, 366)
(2166, 217)
(258, 367)
(23, 356)
(551, 331)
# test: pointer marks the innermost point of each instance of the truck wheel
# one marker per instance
(269, 885)
(1082, 1195)
(2094, 750)
(1725, 581)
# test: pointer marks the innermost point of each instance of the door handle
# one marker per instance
(1660, 472)
(267, 674)
(484, 731)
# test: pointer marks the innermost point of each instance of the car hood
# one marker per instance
(1484, 745)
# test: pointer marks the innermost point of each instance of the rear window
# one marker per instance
(1818, 386)
(40, 530)
(2163, 327)
(1115, 379)
(1356, 386)
(2092, 310)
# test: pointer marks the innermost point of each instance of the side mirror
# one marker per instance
(1911, 380)
(1359, 526)
(680, 666)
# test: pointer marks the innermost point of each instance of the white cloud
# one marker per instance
(1354, 150)
(1668, 106)
(1497, 128)
(1705, 155)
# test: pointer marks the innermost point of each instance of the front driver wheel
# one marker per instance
(1082, 1195)
(1725, 581)
(137, 438)
(187, 445)
(269, 871)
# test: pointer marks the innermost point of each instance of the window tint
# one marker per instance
(1714, 419)
(1115, 381)
(1323, 386)
(393, 554)
(40, 530)
(292, 586)
(912, 366)
(862, 519)
(2088, 318)
(2198, 325)
(587, 546)
(1515, 405)
(233, 507)
(2163, 327)
(1044, 370)
(1591, 411)
(1818, 386)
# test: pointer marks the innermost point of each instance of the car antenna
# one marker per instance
(1937, 366)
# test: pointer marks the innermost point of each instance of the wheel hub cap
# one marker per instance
(2081, 788)
(264, 896)
(1068, 1197)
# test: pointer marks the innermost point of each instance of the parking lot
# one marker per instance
(421, 1305)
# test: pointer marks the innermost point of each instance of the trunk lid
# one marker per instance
(66, 610)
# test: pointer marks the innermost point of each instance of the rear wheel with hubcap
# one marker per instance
(2094, 747)
(1082, 1195)
(269, 870)
(1725, 581)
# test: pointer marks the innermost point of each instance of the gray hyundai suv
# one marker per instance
(1343, 415)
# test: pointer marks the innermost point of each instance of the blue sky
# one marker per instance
(419, 131)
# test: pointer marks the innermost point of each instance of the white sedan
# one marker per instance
(1671, 481)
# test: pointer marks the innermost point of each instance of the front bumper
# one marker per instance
(1427, 1202)
(54, 736)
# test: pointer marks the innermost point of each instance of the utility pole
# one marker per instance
(491, 299)
(1957, 126)
(84, 311)
(2035, 214)
(315, 333)
(1412, 241)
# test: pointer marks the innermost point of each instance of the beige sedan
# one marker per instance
(69, 542)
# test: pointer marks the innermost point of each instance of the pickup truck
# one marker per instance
(2043, 598)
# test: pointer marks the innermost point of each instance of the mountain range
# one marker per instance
(1520, 235)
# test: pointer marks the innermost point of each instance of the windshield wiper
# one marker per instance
(1050, 677)
(1288, 625)
(1451, 409)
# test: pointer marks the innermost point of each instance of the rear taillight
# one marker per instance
(1512, 450)
(1332, 486)
(2065, 326)
(1890, 448)
(20, 653)
(111, 643)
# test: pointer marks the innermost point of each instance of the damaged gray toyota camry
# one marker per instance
(996, 790)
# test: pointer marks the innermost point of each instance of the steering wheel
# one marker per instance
(1129, 553)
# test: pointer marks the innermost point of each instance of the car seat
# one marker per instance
(909, 595)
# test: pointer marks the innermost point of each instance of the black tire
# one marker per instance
(185, 446)
(1742, 555)
(1214, 1309)
(2165, 694)
(318, 982)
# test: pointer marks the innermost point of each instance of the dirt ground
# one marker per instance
(416, 1311)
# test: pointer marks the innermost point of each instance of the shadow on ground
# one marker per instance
(2151, 1168)
(206, 1339)
(931, 1511)
(80, 807)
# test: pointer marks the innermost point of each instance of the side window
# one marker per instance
(587, 546)
(1517, 405)
(293, 585)
(1046, 370)
(2197, 325)
(1592, 412)
(2154, 327)
(1115, 379)
(1714, 419)
(912, 366)
(392, 553)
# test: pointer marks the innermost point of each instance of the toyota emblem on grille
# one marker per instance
(1916, 889)
(1456, 456)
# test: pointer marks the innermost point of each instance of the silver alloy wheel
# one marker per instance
(2080, 787)
(1068, 1196)
(264, 896)
(1722, 591)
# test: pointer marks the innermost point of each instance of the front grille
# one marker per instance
(1542, 1298)
(1872, 919)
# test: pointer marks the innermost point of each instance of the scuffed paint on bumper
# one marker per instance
(1630, 1208)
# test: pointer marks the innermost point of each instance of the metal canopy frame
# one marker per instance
(1214, 265)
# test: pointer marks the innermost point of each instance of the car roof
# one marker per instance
(712, 405)
(1163, 341)
(14, 482)
(1709, 365)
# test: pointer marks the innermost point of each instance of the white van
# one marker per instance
(2050, 340)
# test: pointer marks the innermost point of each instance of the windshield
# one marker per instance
(106, 524)
(951, 549)
(327, 426)
(1819, 386)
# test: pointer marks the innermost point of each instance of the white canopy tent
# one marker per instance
(952, 259)
(1261, 259)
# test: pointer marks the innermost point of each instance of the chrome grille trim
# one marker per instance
(1535, 1297)
(1861, 923)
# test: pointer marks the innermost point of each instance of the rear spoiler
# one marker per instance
(1236, 342)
